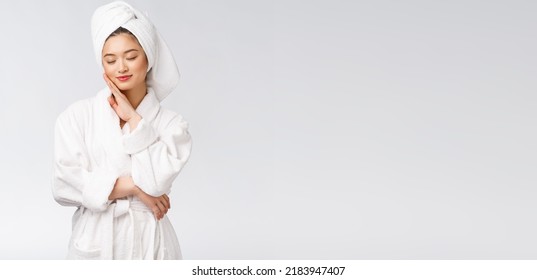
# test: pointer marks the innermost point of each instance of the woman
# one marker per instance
(117, 153)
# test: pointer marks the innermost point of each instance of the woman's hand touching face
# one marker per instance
(125, 70)
(119, 101)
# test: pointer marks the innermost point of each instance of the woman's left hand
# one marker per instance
(119, 101)
(158, 205)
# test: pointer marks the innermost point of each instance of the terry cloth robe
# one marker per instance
(92, 151)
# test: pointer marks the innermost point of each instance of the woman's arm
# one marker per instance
(158, 159)
(125, 187)
(157, 156)
(74, 183)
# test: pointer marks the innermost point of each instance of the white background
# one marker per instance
(321, 129)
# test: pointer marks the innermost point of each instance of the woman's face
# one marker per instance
(124, 61)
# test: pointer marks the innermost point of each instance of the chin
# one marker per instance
(132, 84)
(124, 87)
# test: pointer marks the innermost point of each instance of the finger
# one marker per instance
(113, 103)
(113, 88)
(156, 212)
(164, 204)
(169, 202)
(162, 207)
(165, 212)
(107, 81)
(112, 100)
(105, 77)
(166, 201)
(167, 198)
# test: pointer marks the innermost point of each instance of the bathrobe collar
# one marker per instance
(111, 135)
(148, 108)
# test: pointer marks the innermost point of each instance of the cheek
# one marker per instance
(140, 68)
(107, 68)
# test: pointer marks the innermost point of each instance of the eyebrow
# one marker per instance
(125, 52)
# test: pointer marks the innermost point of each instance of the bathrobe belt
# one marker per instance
(117, 209)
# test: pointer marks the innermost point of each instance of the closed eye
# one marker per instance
(132, 58)
(111, 62)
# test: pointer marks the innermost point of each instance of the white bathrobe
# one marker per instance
(92, 151)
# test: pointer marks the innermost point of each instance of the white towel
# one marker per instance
(163, 75)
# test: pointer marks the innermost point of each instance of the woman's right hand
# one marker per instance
(159, 205)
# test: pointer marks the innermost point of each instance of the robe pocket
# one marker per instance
(86, 238)
(78, 252)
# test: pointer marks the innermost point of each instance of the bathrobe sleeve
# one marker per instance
(75, 184)
(157, 158)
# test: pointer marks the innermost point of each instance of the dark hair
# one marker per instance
(121, 30)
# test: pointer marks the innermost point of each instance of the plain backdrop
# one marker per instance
(321, 129)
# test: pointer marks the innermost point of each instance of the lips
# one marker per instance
(124, 78)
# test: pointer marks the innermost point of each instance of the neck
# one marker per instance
(136, 95)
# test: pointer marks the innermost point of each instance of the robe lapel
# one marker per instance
(109, 133)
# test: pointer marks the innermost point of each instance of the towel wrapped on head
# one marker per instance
(163, 75)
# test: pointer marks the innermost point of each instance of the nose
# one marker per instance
(122, 67)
